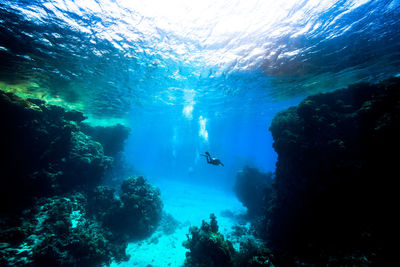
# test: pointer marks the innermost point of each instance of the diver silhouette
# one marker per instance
(213, 161)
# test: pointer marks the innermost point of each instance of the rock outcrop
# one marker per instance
(134, 213)
(207, 247)
(44, 152)
(53, 210)
(254, 190)
(336, 172)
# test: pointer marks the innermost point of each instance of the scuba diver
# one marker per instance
(213, 161)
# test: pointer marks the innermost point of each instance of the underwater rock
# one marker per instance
(254, 190)
(85, 163)
(336, 171)
(47, 168)
(103, 203)
(135, 213)
(112, 138)
(142, 205)
(59, 233)
(75, 230)
(254, 254)
(43, 152)
(207, 246)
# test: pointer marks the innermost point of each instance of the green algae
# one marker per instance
(32, 90)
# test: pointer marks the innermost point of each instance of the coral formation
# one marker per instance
(57, 232)
(254, 190)
(44, 152)
(70, 230)
(253, 254)
(335, 174)
(53, 210)
(143, 204)
(112, 138)
(135, 213)
(207, 246)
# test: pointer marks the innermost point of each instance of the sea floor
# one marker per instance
(189, 204)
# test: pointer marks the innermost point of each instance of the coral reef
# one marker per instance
(134, 214)
(143, 204)
(70, 230)
(112, 138)
(207, 246)
(53, 210)
(253, 254)
(57, 232)
(254, 190)
(43, 152)
(335, 175)
(333, 198)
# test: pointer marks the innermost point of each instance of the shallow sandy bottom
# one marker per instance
(189, 204)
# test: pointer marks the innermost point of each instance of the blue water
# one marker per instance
(193, 76)
(161, 67)
(169, 145)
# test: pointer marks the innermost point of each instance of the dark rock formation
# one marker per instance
(58, 232)
(70, 230)
(112, 138)
(52, 210)
(207, 246)
(43, 152)
(336, 173)
(143, 204)
(254, 190)
(252, 254)
(134, 214)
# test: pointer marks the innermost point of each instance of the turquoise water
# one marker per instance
(193, 76)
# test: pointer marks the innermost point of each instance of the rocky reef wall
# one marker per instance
(54, 210)
(336, 172)
(254, 189)
(44, 152)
